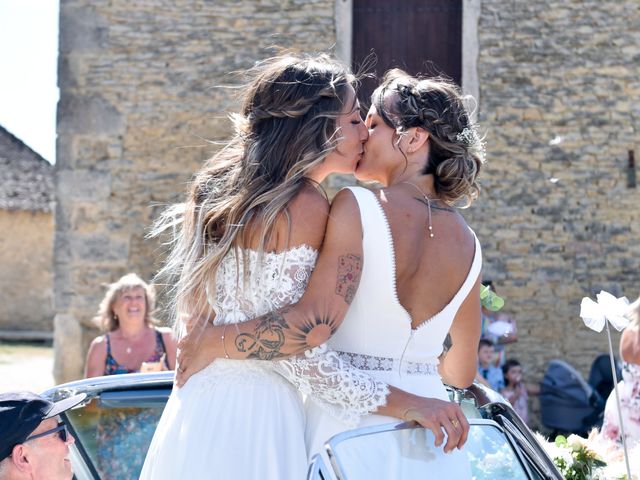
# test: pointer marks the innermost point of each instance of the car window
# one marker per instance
(113, 431)
(410, 453)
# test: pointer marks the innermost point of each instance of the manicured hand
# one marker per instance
(440, 417)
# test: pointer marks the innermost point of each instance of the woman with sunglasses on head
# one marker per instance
(402, 240)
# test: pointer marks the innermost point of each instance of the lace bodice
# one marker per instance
(250, 284)
(254, 283)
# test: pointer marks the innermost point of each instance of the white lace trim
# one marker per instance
(254, 283)
(273, 281)
(336, 386)
(386, 364)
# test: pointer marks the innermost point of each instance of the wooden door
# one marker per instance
(419, 36)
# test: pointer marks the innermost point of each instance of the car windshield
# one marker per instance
(115, 429)
(409, 453)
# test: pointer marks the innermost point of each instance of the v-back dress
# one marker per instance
(376, 336)
(244, 419)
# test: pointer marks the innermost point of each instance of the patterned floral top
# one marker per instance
(112, 367)
(629, 390)
(125, 433)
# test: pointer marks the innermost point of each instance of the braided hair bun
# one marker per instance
(436, 105)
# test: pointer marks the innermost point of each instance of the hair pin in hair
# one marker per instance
(468, 136)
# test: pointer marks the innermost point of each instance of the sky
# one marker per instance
(28, 72)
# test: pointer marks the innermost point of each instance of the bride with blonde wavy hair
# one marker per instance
(244, 243)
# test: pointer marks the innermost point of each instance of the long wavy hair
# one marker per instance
(436, 105)
(107, 320)
(287, 126)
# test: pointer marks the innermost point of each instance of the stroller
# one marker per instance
(568, 404)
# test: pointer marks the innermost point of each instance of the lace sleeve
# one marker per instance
(339, 388)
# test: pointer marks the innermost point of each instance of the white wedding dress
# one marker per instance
(376, 336)
(244, 419)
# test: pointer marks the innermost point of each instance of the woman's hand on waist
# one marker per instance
(196, 350)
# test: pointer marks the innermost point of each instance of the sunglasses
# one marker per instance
(61, 430)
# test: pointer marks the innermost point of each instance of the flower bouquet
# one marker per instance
(574, 459)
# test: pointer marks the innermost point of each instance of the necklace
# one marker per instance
(132, 340)
(428, 200)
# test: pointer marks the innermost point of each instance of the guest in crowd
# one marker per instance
(132, 342)
(498, 327)
(34, 444)
(629, 387)
(516, 390)
(488, 374)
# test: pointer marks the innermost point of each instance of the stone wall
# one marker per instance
(560, 102)
(26, 246)
(139, 99)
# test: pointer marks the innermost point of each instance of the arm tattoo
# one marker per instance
(267, 340)
(349, 270)
(305, 336)
(270, 334)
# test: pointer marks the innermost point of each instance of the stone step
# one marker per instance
(26, 335)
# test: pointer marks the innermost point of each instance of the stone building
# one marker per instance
(26, 241)
(558, 85)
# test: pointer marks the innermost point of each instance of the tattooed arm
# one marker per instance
(299, 327)
(310, 323)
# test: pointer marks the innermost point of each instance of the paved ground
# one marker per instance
(25, 367)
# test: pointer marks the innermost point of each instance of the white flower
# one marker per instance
(607, 307)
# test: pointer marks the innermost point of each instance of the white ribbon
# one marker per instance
(595, 314)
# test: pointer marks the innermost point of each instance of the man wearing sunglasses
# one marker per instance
(34, 444)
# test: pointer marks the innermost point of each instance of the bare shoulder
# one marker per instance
(306, 221)
(630, 345)
(309, 201)
(344, 204)
(100, 340)
(98, 346)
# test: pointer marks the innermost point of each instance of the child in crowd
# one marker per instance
(515, 390)
(498, 327)
(488, 374)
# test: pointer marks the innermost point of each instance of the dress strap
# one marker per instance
(161, 348)
(108, 344)
(472, 276)
(377, 242)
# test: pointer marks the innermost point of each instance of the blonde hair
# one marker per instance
(106, 319)
(436, 105)
(633, 314)
(287, 126)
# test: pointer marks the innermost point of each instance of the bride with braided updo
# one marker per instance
(425, 281)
